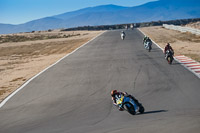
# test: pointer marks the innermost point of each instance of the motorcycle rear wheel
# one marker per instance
(141, 109)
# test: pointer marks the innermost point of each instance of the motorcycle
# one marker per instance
(169, 56)
(147, 45)
(128, 104)
(122, 36)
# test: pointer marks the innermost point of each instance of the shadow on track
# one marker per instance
(155, 49)
(156, 111)
(176, 63)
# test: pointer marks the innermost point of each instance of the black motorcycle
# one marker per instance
(169, 56)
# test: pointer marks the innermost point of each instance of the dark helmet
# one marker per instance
(113, 92)
(168, 44)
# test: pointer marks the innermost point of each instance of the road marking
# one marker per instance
(189, 64)
(12, 94)
(196, 68)
(193, 65)
(185, 61)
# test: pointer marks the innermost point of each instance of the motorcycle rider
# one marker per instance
(168, 47)
(115, 92)
(147, 39)
(144, 39)
(123, 34)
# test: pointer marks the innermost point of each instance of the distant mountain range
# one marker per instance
(112, 14)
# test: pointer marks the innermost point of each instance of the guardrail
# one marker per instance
(182, 29)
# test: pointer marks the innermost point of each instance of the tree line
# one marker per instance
(134, 25)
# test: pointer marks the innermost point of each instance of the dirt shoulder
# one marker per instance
(195, 25)
(183, 43)
(19, 61)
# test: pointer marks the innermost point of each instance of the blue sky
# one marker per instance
(21, 11)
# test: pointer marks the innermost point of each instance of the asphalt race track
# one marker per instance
(74, 95)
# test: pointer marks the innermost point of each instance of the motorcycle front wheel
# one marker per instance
(130, 108)
(169, 59)
(150, 48)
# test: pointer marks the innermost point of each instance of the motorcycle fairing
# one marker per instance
(128, 99)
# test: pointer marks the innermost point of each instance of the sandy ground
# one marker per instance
(19, 61)
(183, 43)
(195, 25)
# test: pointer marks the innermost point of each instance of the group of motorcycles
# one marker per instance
(168, 54)
(129, 104)
(148, 45)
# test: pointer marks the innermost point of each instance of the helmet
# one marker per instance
(113, 92)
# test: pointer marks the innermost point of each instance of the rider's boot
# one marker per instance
(121, 109)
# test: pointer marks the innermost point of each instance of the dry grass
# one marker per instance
(2, 91)
(22, 37)
(21, 59)
(195, 25)
(46, 48)
(183, 43)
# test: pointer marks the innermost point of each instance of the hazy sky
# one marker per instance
(21, 11)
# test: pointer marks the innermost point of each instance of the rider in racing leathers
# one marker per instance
(115, 92)
(123, 33)
(147, 39)
(168, 47)
(144, 39)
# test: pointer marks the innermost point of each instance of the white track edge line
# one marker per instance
(198, 75)
(151, 40)
(13, 93)
(194, 67)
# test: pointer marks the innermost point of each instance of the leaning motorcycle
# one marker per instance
(147, 45)
(128, 104)
(169, 56)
